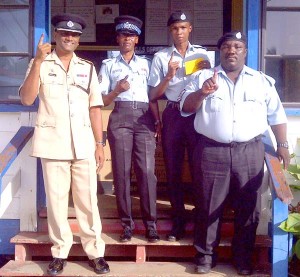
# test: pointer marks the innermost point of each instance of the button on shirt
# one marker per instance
(63, 128)
(159, 69)
(236, 112)
(116, 69)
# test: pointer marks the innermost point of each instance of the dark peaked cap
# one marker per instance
(232, 36)
(127, 24)
(68, 22)
(178, 16)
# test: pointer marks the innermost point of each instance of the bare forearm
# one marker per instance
(96, 122)
(158, 91)
(280, 132)
(30, 88)
(155, 110)
(193, 102)
(109, 98)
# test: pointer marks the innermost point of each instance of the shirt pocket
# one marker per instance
(45, 121)
(253, 101)
(53, 86)
(214, 102)
(82, 83)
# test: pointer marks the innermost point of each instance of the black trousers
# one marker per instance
(130, 135)
(220, 171)
(178, 134)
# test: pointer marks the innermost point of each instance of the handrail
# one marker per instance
(13, 148)
(281, 197)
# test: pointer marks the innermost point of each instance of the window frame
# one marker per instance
(16, 105)
(291, 108)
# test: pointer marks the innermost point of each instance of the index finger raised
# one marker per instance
(41, 40)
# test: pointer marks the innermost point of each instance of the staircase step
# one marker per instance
(120, 269)
(32, 244)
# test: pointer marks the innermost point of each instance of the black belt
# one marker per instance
(230, 144)
(173, 105)
(131, 104)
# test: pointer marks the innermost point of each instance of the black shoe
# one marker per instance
(99, 265)
(56, 266)
(178, 230)
(126, 235)
(203, 269)
(244, 270)
(176, 234)
(152, 235)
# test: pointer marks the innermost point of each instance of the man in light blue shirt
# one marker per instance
(169, 75)
(131, 127)
(234, 105)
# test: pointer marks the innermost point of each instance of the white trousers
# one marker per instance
(79, 175)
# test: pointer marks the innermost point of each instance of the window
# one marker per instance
(282, 47)
(15, 47)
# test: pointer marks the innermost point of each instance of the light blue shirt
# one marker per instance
(116, 69)
(236, 112)
(159, 68)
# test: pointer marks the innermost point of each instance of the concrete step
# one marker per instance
(32, 244)
(121, 269)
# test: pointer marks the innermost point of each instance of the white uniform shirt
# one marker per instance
(159, 68)
(116, 69)
(237, 112)
(63, 127)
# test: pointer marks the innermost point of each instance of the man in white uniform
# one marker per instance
(68, 139)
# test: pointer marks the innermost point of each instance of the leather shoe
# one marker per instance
(244, 270)
(203, 269)
(176, 234)
(56, 266)
(126, 235)
(99, 265)
(152, 235)
(178, 229)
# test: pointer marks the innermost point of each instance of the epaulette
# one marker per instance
(199, 46)
(106, 60)
(268, 78)
(87, 61)
(144, 57)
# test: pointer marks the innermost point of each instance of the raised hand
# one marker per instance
(205, 64)
(43, 49)
(172, 67)
(122, 85)
(211, 84)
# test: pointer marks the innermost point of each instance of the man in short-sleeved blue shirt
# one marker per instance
(234, 105)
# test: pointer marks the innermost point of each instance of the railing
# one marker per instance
(10, 225)
(12, 150)
(281, 197)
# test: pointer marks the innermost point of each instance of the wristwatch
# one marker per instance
(283, 144)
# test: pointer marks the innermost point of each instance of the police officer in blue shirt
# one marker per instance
(131, 128)
(234, 105)
(168, 77)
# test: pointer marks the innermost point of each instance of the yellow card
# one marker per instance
(192, 66)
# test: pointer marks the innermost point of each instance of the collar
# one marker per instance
(53, 57)
(120, 57)
(245, 70)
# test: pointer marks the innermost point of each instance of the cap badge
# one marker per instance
(238, 35)
(183, 17)
(70, 24)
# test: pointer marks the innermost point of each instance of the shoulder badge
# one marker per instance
(268, 78)
(106, 60)
(86, 61)
(199, 46)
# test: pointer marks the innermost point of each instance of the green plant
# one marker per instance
(292, 223)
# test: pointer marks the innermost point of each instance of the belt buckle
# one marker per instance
(134, 105)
